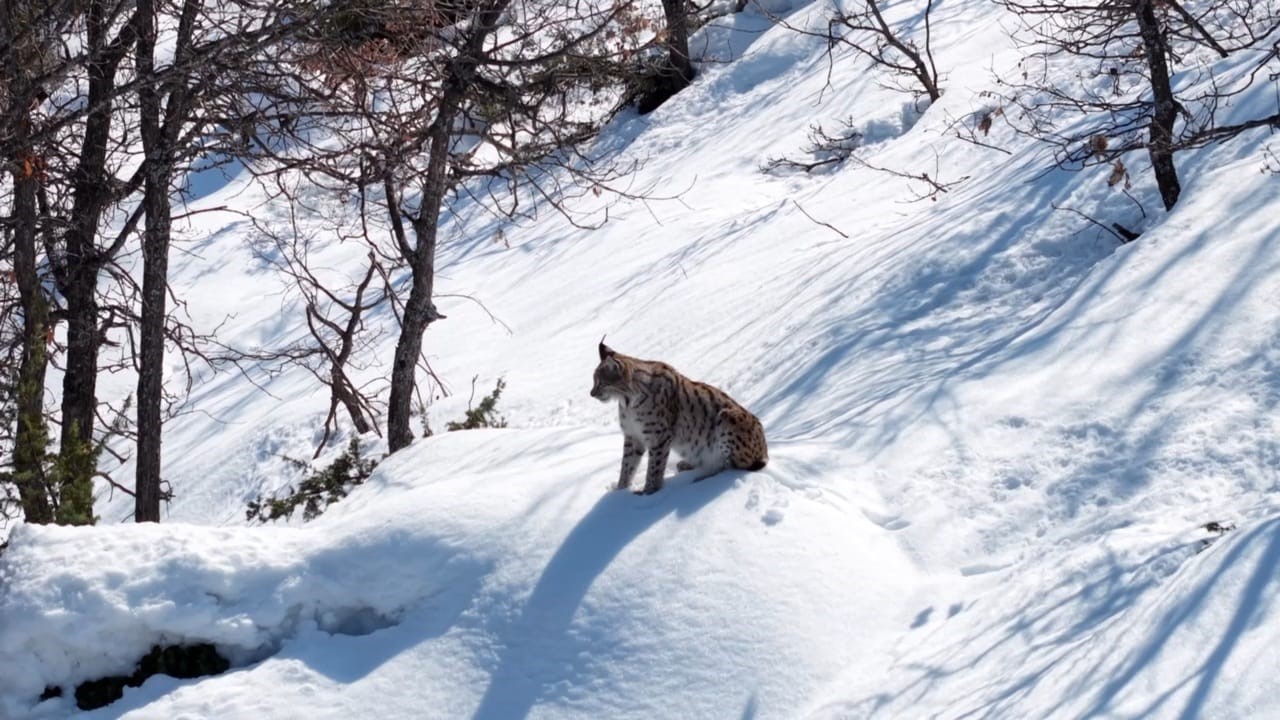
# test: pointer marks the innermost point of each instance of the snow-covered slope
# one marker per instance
(995, 436)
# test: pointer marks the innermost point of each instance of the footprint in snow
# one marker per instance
(922, 618)
(888, 522)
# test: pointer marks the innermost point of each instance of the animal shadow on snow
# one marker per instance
(616, 520)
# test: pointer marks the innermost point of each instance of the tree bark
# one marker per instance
(159, 124)
(676, 71)
(419, 310)
(346, 395)
(1165, 112)
(32, 437)
(78, 278)
(155, 258)
(677, 14)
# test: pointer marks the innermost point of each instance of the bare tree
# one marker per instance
(1133, 49)
(163, 109)
(28, 33)
(92, 117)
(864, 29)
(80, 204)
(66, 149)
(335, 319)
(486, 105)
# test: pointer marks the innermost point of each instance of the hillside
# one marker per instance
(996, 437)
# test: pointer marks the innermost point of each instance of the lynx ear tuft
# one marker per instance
(605, 350)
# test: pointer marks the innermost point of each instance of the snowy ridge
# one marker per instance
(995, 438)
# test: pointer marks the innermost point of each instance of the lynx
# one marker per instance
(661, 410)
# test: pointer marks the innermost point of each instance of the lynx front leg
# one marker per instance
(658, 453)
(631, 452)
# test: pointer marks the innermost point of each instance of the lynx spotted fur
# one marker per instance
(661, 410)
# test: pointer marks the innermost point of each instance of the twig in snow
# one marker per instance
(1120, 232)
(819, 222)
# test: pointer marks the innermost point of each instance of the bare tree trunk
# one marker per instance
(155, 259)
(78, 280)
(677, 14)
(343, 393)
(32, 437)
(32, 433)
(1160, 143)
(159, 124)
(676, 71)
(419, 310)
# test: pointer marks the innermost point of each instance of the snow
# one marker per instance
(995, 438)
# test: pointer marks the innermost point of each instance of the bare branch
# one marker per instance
(837, 230)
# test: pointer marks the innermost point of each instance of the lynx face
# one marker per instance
(611, 379)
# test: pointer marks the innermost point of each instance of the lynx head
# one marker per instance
(613, 375)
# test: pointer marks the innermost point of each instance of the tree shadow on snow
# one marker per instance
(538, 637)
(1249, 611)
(1061, 630)
(1007, 290)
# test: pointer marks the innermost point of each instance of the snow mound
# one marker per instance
(567, 596)
(82, 604)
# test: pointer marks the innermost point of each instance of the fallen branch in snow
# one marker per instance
(824, 224)
(828, 149)
(1120, 232)
(780, 163)
(1125, 232)
(1216, 530)
(935, 185)
(825, 148)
